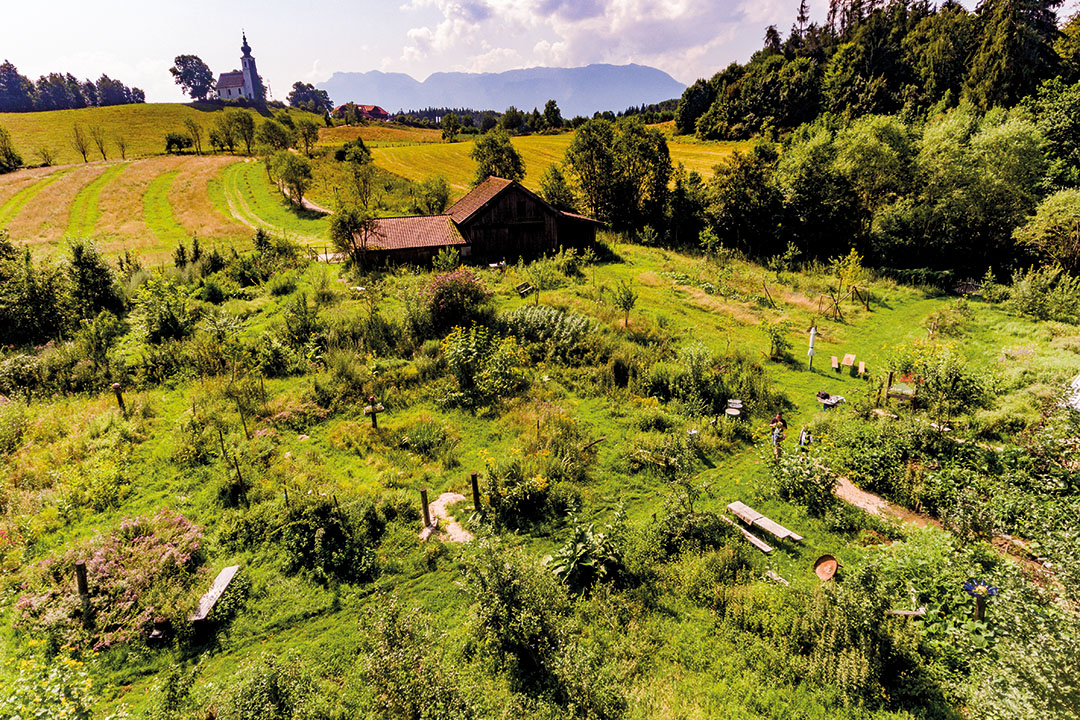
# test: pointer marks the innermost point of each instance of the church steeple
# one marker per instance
(245, 48)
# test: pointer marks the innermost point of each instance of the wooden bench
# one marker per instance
(752, 517)
(862, 368)
(209, 600)
(750, 537)
(524, 289)
(835, 363)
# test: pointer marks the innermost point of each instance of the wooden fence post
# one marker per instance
(119, 398)
(475, 492)
(84, 590)
(427, 513)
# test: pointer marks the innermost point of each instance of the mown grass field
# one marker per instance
(150, 205)
(143, 126)
(378, 134)
(451, 160)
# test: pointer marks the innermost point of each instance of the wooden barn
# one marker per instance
(499, 220)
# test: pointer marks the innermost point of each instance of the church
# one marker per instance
(244, 83)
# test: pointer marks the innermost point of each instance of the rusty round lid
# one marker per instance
(825, 567)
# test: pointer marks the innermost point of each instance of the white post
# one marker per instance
(810, 352)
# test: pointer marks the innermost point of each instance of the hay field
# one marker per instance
(192, 208)
(44, 220)
(143, 126)
(452, 161)
(378, 135)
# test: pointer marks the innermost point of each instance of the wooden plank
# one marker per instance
(776, 529)
(862, 367)
(756, 541)
(835, 363)
(745, 513)
(849, 360)
(207, 601)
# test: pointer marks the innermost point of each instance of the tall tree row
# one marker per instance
(875, 57)
(57, 91)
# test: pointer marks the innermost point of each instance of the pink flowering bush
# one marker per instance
(141, 574)
(455, 298)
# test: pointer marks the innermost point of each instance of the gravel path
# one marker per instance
(444, 522)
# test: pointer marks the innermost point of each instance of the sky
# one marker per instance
(135, 41)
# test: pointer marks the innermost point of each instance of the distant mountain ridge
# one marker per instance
(579, 91)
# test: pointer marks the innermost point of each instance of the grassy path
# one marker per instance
(253, 202)
(84, 212)
(157, 212)
(12, 207)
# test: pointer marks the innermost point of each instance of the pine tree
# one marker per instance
(1016, 51)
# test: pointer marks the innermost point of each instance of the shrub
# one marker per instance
(12, 426)
(518, 611)
(161, 307)
(447, 260)
(335, 543)
(1046, 293)
(455, 298)
(268, 687)
(589, 556)
(406, 669)
(177, 142)
(560, 334)
(798, 478)
(485, 368)
(140, 573)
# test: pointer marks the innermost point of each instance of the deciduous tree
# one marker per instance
(496, 156)
(193, 75)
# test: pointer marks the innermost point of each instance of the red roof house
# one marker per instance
(499, 220)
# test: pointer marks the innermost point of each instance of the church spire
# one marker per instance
(245, 48)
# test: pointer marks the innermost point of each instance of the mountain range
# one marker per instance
(579, 91)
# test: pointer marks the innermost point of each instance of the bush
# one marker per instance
(557, 333)
(335, 543)
(140, 573)
(518, 611)
(485, 368)
(1046, 293)
(456, 298)
(798, 478)
(268, 688)
(161, 307)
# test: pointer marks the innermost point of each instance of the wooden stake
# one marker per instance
(427, 513)
(84, 590)
(119, 398)
(475, 491)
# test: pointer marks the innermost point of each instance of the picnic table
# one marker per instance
(849, 360)
(752, 517)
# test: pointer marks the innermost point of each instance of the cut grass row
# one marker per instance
(19, 200)
(85, 211)
(158, 213)
(254, 201)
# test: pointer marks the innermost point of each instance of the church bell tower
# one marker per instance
(252, 85)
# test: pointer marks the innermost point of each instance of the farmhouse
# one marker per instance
(499, 220)
(243, 83)
(369, 112)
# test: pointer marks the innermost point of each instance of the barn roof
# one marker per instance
(481, 195)
(233, 79)
(419, 231)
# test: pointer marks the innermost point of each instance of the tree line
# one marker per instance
(883, 57)
(57, 91)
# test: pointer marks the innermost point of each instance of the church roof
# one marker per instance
(233, 79)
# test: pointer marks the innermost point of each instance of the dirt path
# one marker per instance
(444, 522)
(875, 505)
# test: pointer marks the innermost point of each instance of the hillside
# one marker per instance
(321, 513)
(579, 91)
(452, 161)
(143, 126)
